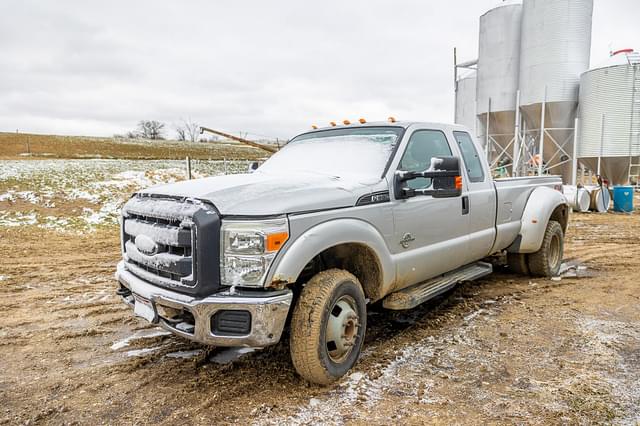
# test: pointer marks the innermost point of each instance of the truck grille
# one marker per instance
(163, 238)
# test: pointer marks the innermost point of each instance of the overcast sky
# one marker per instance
(266, 67)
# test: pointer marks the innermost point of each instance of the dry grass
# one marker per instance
(24, 146)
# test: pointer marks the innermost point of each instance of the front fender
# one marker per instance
(540, 206)
(326, 235)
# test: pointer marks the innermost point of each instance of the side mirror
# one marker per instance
(445, 175)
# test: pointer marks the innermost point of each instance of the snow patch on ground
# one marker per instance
(142, 334)
(606, 342)
(141, 352)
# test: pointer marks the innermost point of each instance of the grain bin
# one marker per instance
(610, 117)
(498, 62)
(466, 101)
(555, 48)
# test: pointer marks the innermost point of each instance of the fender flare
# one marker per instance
(330, 234)
(541, 204)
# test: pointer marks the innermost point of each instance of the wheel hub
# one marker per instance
(342, 329)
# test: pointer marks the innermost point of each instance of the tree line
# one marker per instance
(187, 130)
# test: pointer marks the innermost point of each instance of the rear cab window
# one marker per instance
(472, 160)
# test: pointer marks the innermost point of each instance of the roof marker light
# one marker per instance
(391, 119)
(332, 123)
(362, 121)
(346, 122)
(313, 126)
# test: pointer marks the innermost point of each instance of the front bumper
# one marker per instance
(268, 311)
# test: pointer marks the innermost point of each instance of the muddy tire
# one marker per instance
(518, 263)
(328, 326)
(546, 261)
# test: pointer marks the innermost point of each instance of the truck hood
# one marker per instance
(262, 194)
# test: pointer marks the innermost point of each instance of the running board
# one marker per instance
(413, 296)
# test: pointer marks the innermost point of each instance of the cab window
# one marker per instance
(423, 145)
(470, 155)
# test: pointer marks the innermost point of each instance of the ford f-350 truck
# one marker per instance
(340, 218)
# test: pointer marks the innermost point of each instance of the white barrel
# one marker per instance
(578, 198)
(600, 199)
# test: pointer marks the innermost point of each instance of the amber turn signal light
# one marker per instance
(276, 241)
(458, 182)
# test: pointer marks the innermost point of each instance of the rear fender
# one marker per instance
(542, 203)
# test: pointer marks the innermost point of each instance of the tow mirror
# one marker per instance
(446, 179)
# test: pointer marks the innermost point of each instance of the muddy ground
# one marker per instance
(505, 349)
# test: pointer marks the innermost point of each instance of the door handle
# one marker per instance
(465, 204)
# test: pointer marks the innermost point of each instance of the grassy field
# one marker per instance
(81, 195)
(24, 146)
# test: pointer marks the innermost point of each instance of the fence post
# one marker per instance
(224, 164)
(188, 163)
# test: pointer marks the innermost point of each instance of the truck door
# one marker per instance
(479, 198)
(430, 233)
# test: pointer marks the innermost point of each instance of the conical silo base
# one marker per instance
(614, 169)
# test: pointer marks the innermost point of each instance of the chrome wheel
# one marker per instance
(342, 329)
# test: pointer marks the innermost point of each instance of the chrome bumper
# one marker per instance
(268, 311)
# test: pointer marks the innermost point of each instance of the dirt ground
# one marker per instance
(506, 349)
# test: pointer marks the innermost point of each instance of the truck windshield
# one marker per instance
(355, 152)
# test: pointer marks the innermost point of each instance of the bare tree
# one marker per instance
(192, 128)
(181, 133)
(151, 129)
(188, 130)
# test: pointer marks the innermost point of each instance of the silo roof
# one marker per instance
(620, 57)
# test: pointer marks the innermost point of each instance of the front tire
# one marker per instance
(328, 326)
(546, 261)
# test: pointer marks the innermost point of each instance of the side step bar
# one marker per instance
(413, 296)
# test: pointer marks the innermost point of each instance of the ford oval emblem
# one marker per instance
(146, 245)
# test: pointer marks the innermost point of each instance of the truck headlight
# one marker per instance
(248, 248)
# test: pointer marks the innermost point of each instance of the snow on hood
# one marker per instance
(261, 194)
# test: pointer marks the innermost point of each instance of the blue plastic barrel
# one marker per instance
(623, 199)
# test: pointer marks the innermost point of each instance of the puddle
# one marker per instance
(227, 355)
(574, 269)
(184, 354)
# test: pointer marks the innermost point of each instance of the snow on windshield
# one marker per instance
(353, 155)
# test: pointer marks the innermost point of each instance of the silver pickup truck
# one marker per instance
(340, 218)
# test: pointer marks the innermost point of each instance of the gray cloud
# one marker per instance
(272, 68)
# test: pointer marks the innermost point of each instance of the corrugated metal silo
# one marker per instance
(466, 101)
(610, 117)
(555, 48)
(498, 60)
